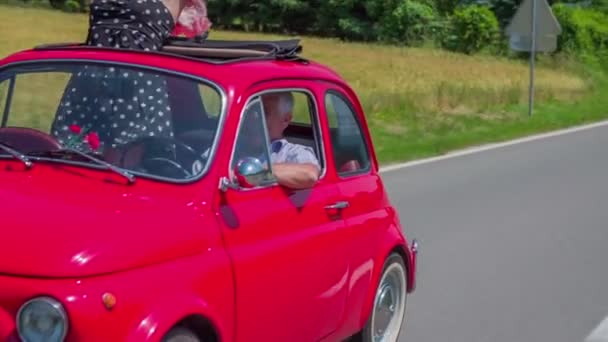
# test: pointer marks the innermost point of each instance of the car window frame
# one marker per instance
(29, 66)
(9, 99)
(364, 171)
(251, 101)
(317, 132)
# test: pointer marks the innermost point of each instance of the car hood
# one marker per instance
(59, 223)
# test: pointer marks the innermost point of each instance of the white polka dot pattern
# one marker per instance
(142, 24)
(119, 104)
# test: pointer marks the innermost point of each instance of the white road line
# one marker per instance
(488, 147)
(600, 333)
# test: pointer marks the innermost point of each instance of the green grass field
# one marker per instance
(419, 102)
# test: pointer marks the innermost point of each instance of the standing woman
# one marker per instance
(143, 24)
(122, 106)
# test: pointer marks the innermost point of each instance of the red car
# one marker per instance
(139, 200)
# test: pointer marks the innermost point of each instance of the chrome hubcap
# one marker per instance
(389, 305)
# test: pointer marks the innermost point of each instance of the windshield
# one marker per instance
(143, 121)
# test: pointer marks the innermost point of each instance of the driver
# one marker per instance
(294, 166)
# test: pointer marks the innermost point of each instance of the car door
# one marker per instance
(360, 189)
(289, 270)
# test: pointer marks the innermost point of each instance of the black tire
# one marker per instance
(180, 334)
(394, 263)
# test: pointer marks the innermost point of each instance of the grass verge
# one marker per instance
(444, 133)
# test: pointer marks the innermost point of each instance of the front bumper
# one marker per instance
(145, 302)
(8, 331)
(413, 267)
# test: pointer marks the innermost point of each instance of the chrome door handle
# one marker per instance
(338, 205)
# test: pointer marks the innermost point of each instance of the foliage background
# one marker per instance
(464, 26)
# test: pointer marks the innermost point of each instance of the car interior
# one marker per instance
(198, 131)
(185, 100)
(188, 111)
(350, 156)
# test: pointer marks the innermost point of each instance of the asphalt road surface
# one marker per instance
(514, 241)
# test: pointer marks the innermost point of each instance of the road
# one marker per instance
(514, 241)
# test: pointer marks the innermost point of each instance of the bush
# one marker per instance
(446, 7)
(57, 3)
(409, 23)
(352, 28)
(346, 19)
(72, 6)
(584, 32)
(600, 5)
(470, 29)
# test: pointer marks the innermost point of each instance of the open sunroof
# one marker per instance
(218, 51)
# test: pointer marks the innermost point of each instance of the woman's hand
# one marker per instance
(192, 20)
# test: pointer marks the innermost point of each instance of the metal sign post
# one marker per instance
(532, 59)
(533, 29)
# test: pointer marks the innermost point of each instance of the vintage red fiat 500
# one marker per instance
(141, 199)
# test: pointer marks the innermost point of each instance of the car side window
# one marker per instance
(351, 154)
(252, 139)
(278, 126)
(304, 129)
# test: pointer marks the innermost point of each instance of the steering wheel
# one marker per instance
(162, 152)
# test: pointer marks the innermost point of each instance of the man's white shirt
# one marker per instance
(282, 151)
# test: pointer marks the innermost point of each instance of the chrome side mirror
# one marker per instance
(250, 172)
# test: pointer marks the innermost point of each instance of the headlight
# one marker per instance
(42, 319)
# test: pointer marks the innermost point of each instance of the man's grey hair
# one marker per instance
(285, 102)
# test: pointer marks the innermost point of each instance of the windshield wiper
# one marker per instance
(126, 174)
(16, 154)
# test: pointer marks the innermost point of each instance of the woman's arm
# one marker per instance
(175, 7)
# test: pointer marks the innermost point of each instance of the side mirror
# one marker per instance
(250, 172)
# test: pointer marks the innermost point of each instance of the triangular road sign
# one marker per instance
(524, 43)
(546, 23)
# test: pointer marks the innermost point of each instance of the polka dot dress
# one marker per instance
(131, 24)
(121, 105)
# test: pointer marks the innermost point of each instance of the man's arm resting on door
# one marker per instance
(296, 175)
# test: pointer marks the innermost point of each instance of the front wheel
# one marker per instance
(181, 335)
(388, 312)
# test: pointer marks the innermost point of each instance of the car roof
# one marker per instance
(229, 63)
